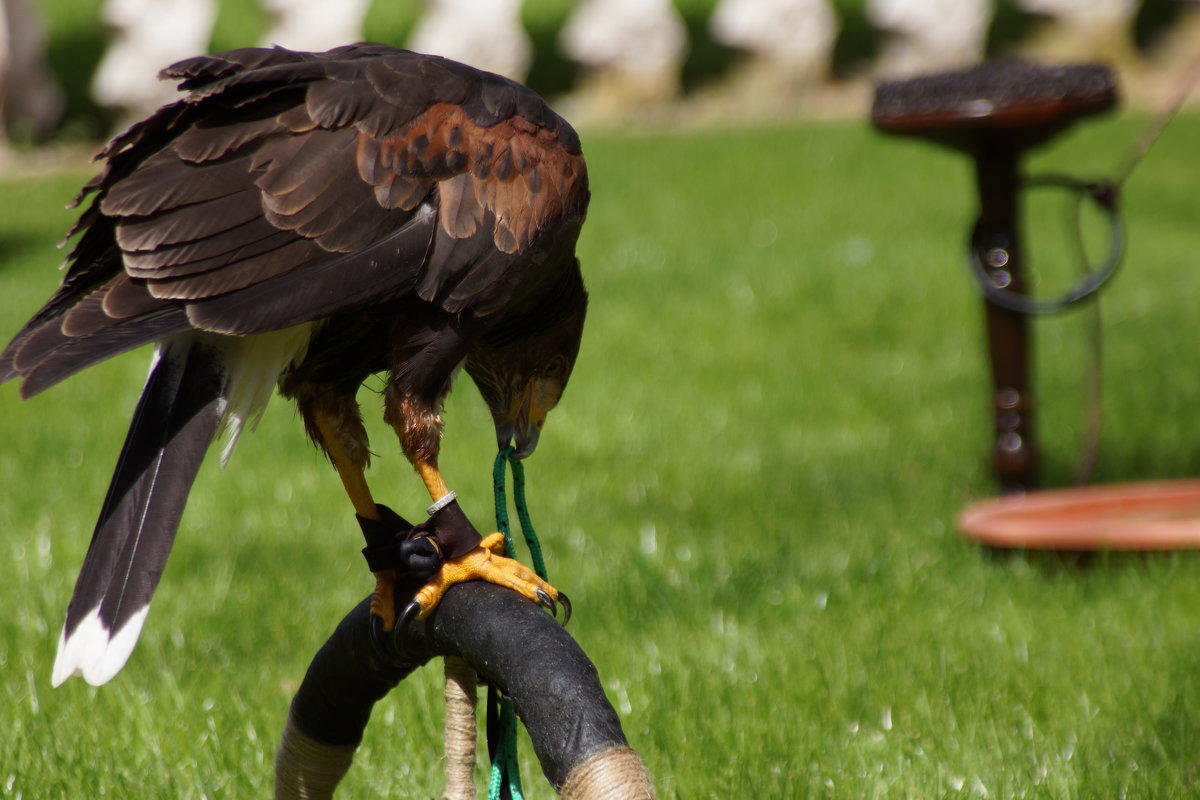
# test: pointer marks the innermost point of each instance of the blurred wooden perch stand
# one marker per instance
(995, 113)
(480, 628)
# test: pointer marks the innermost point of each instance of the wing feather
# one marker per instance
(292, 162)
(314, 214)
(290, 254)
(358, 223)
(223, 133)
(172, 260)
(165, 181)
(48, 355)
(461, 212)
(189, 223)
(127, 298)
(322, 286)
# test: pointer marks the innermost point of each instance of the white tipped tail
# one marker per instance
(94, 652)
(173, 425)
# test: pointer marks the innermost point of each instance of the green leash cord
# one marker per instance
(502, 523)
(505, 783)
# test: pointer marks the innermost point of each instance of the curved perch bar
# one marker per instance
(510, 642)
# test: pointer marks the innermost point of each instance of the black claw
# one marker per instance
(377, 632)
(566, 604)
(409, 613)
(547, 602)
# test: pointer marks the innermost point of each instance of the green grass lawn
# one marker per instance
(749, 493)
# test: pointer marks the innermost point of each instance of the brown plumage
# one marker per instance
(309, 219)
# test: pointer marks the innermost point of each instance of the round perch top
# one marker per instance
(1025, 103)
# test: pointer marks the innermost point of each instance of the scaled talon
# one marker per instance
(429, 550)
(383, 602)
(487, 563)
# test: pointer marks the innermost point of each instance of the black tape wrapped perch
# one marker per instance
(506, 639)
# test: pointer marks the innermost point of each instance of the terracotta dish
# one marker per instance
(1160, 515)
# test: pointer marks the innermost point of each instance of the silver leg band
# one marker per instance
(446, 499)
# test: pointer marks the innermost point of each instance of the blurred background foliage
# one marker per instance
(77, 41)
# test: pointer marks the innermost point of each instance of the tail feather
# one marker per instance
(176, 419)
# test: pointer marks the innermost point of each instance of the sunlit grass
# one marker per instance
(749, 492)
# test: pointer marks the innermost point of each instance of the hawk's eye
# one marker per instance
(557, 368)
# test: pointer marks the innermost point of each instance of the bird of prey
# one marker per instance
(307, 220)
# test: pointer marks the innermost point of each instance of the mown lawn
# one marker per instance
(749, 493)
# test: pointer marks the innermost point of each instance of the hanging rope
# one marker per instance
(505, 783)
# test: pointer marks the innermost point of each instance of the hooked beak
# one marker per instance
(524, 423)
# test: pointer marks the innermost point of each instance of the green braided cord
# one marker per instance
(500, 757)
(504, 765)
(496, 780)
(502, 524)
(535, 547)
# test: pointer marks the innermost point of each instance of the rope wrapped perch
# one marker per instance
(508, 641)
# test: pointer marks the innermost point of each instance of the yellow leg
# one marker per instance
(353, 479)
(434, 482)
(383, 600)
